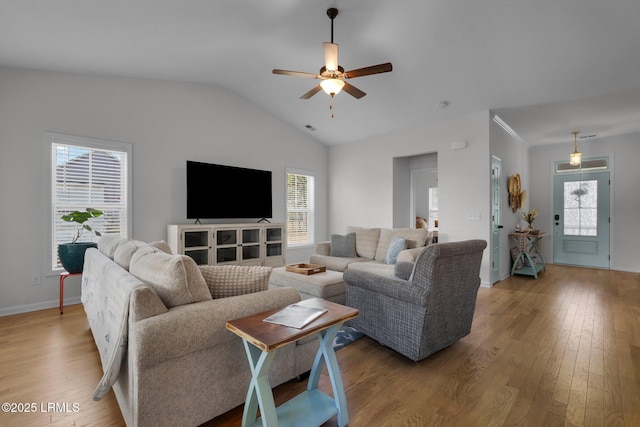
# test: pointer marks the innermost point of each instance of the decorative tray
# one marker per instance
(306, 269)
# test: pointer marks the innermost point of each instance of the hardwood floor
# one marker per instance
(561, 350)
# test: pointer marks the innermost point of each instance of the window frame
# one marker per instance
(53, 139)
(310, 242)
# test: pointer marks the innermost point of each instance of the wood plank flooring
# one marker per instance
(561, 350)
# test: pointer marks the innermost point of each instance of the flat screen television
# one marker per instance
(220, 191)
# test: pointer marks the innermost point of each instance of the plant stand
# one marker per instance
(63, 276)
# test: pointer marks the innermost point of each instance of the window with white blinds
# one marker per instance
(300, 222)
(88, 173)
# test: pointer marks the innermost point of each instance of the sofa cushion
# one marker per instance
(230, 280)
(366, 241)
(161, 245)
(414, 237)
(124, 252)
(176, 278)
(343, 245)
(397, 244)
(376, 267)
(335, 263)
(108, 243)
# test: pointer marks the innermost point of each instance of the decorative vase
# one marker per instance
(72, 255)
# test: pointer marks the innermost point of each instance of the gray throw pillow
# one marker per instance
(343, 246)
(397, 245)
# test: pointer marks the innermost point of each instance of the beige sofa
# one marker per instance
(371, 249)
(163, 344)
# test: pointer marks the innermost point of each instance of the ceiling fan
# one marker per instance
(332, 75)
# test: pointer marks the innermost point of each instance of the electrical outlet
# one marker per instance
(35, 280)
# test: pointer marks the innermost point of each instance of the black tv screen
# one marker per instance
(219, 191)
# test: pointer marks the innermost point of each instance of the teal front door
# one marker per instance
(581, 219)
(496, 217)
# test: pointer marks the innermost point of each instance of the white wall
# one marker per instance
(166, 122)
(624, 154)
(361, 179)
(514, 155)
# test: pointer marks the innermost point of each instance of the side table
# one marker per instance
(63, 276)
(261, 341)
(527, 246)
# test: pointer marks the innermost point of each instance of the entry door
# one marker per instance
(581, 219)
(496, 217)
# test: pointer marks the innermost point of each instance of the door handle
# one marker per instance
(499, 226)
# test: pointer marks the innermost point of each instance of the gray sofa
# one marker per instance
(429, 307)
(161, 335)
(370, 249)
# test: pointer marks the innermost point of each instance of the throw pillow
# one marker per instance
(161, 245)
(124, 252)
(230, 280)
(343, 246)
(416, 238)
(366, 240)
(397, 244)
(176, 278)
(108, 243)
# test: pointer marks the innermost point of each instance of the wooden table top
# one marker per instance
(270, 336)
(541, 234)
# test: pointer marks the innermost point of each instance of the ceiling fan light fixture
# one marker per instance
(330, 56)
(332, 86)
(575, 158)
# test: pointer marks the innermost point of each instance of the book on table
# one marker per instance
(296, 316)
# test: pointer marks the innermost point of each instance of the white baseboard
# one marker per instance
(37, 306)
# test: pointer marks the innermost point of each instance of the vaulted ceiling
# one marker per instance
(547, 67)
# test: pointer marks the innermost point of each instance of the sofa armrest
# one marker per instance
(145, 303)
(392, 287)
(323, 248)
(194, 327)
(409, 255)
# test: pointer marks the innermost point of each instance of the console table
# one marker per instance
(262, 340)
(528, 245)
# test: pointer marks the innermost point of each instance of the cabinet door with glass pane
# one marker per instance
(251, 249)
(274, 245)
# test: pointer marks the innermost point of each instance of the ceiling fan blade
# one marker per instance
(311, 92)
(353, 91)
(374, 69)
(330, 56)
(295, 73)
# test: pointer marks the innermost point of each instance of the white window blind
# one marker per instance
(88, 175)
(300, 213)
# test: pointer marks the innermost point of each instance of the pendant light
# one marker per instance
(575, 158)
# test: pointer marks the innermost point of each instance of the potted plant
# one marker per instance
(72, 254)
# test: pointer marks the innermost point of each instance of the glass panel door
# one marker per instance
(581, 219)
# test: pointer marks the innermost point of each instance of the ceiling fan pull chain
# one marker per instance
(331, 106)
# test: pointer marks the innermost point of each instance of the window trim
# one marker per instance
(312, 221)
(52, 137)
